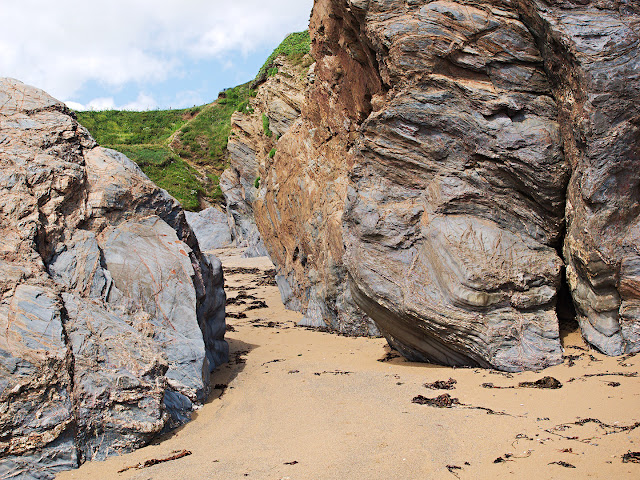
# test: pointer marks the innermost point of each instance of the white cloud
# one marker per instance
(75, 105)
(188, 98)
(143, 102)
(61, 46)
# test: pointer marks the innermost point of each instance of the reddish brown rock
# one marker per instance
(278, 99)
(439, 146)
(300, 203)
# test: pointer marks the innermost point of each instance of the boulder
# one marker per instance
(456, 200)
(37, 413)
(211, 228)
(112, 317)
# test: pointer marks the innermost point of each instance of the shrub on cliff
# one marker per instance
(265, 125)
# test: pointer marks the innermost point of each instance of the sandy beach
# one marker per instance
(299, 404)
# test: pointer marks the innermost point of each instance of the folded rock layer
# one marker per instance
(450, 159)
(592, 55)
(111, 318)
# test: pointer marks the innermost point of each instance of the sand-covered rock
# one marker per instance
(111, 316)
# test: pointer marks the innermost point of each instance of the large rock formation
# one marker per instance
(110, 316)
(427, 179)
(254, 133)
(592, 56)
(458, 192)
(284, 187)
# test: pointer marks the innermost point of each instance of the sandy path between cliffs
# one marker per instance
(300, 404)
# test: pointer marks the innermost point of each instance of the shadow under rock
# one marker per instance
(566, 312)
(222, 376)
(220, 380)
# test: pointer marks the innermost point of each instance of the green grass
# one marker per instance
(204, 139)
(114, 127)
(199, 134)
(265, 125)
(168, 171)
(295, 46)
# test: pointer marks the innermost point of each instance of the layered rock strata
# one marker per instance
(592, 55)
(298, 207)
(450, 158)
(254, 134)
(110, 316)
(269, 197)
(458, 192)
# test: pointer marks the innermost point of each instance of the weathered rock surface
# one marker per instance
(280, 98)
(111, 316)
(284, 190)
(457, 197)
(592, 54)
(211, 228)
(447, 152)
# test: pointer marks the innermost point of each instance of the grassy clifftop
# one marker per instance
(184, 151)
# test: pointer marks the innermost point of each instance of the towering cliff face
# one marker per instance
(428, 176)
(299, 206)
(110, 316)
(254, 133)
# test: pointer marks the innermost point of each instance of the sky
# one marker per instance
(142, 54)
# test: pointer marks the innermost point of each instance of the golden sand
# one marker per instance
(301, 404)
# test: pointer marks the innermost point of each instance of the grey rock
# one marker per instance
(211, 228)
(112, 318)
(280, 99)
(592, 53)
(441, 147)
(297, 208)
(79, 266)
(118, 391)
(152, 269)
(36, 413)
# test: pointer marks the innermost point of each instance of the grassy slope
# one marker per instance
(184, 151)
(295, 46)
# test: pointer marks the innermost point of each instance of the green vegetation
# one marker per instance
(215, 192)
(184, 151)
(295, 46)
(203, 140)
(168, 171)
(257, 183)
(265, 125)
(166, 143)
(114, 127)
